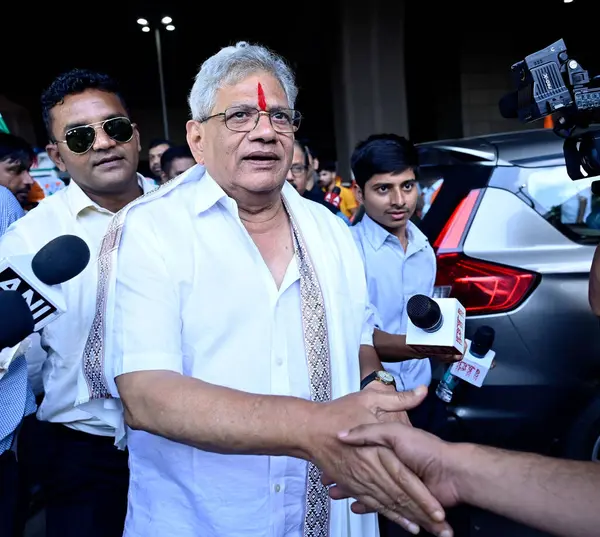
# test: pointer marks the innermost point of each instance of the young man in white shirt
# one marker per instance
(84, 477)
(236, 331)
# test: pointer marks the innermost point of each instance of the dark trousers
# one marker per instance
(84, 479)
(431, 415)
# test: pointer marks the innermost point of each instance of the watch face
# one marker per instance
(385, 377)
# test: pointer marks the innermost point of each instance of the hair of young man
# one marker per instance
(383, 154)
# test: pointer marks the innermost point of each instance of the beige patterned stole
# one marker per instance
(316, 344)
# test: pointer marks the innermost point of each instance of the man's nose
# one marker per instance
(397, 198)
(27, 179)
(264, 129)
(103, 140)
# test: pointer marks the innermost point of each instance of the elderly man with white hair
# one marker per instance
(233, 323)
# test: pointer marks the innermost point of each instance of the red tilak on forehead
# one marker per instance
(262, 102)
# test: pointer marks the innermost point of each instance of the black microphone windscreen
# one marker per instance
(482, 340)
(423, 312)
(509, 106)
(16, 319)
(61, 259)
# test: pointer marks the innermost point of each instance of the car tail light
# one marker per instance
(482, 287)
(453, 234)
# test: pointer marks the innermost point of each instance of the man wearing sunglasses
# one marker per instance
(71, 450)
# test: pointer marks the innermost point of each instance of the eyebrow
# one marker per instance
(387, 183)
(74, 125)
(246, 105)
(16, 165)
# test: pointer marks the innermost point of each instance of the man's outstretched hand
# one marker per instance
(373, 474)
(425, 454)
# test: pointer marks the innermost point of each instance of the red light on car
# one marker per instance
(456, 226)
(483, 287)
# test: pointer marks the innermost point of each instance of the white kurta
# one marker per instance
(191, 293)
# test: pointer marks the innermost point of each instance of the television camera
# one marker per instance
(548, 82)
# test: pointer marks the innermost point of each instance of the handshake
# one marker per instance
(367, 450)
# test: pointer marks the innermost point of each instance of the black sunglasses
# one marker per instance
(81, 139)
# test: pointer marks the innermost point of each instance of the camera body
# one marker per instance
(548, 82)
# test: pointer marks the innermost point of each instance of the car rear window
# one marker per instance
(443, 188)
(570, 206)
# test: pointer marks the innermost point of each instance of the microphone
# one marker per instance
(436, 326)
(16, 319)
(34, 276)
(474, 366)
(61, 259)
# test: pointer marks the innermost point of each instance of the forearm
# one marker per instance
(553, 495)
(215, 418)
(392, 347)
(369, 361)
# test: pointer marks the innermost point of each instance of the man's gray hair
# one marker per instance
(231, 65)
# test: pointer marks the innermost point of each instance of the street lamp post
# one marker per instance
(167, 22)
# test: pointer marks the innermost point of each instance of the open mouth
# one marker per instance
(262, 157)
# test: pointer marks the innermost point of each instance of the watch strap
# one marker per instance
(375, 376)
(368, 379)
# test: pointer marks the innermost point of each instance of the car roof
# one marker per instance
(527, 148)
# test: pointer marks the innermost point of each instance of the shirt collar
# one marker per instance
(377, 235)
(78, 200)
(209, 193)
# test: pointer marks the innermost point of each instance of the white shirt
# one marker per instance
(194, 296)
(393, 276)
(68, 211)
(569, 210)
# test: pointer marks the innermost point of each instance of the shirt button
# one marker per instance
(279, 361)
(277, 488)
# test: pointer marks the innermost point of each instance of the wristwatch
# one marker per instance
(381, 376)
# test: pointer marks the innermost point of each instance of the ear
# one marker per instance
(358, 193)
(136, 135)
(195, 139)
(54, 154)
